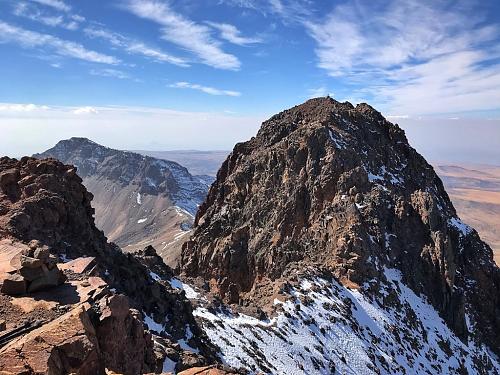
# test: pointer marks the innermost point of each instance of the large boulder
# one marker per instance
(123, 341)
(66, 345)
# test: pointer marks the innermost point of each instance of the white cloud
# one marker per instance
(16, 107)
(185, 33)
(85, 111)
(412, 57)
(134, 47)
(32, 12)
(205, 89)
(232, 34)
(31, 39)
(56, 4)
(114, 73)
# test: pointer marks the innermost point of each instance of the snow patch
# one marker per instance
(169, 366)
(154, 276)
(460, 226)
(337, 141)
(190, 292)
(151, 324)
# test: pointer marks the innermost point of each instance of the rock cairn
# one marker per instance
(37, 270)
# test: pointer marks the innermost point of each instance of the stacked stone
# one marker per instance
(37, 271)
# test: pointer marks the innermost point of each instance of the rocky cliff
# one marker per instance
(138, 200)
(334, 192)
(116, 311)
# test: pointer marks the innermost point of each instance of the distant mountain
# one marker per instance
(197, 162)
(475, 192)
(138, 200)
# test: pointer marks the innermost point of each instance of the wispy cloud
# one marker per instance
(290, 11)
(31, 39)
(56, 4)
(205, 89)
(412, 56)
(232, 34)
(185, 33)
(134, 46)
(397, 117)
(30, 11)
(114, 73)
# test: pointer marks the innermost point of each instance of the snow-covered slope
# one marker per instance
(326, 328)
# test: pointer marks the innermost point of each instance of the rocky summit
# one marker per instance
(138, 200)
(330, 223)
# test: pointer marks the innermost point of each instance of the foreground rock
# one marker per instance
(332, 187)
(117, 311)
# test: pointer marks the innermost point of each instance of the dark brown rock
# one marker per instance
(41, 253)
(31, 274)
(336, 187)
(122, 340)
(28, 262)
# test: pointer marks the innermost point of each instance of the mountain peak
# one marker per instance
(337, 188)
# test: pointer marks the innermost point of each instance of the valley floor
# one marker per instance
(475, 192)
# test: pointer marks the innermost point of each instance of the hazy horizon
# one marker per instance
(455, 140)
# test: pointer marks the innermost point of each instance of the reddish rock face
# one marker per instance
(66, 345)
(13, 285)
(336, 187)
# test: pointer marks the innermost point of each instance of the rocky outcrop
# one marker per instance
(66, 345)
(154, 200)
(86, 340)
(335, 187)
(137, 317)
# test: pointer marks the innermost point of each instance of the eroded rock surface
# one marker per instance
(336, 187)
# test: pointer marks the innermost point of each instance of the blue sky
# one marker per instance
(127, 61)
